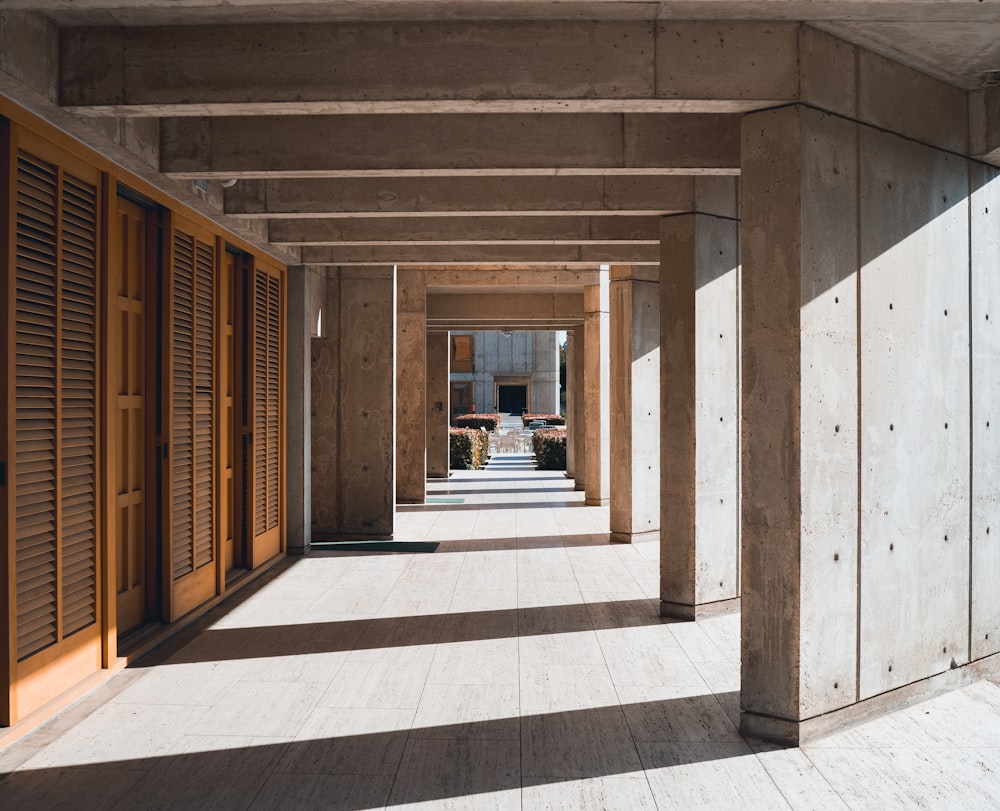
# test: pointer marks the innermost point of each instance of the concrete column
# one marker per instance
(859, 534)
(597, 390)
(635, 393)
(570, 413)
(306, 291)
(699, 428)
(438, 409)
(579, 424)
(353, 410)
(411, 364)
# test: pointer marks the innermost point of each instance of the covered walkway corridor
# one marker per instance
(521, 664)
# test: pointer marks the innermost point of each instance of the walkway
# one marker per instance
(521, 665)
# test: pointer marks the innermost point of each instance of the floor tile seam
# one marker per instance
(817, 770)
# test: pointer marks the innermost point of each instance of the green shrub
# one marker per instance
(488, 421)
(468, 448)
(550, 448)
(550, 419)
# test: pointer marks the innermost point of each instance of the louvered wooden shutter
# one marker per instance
(55, 464)
(267, 371)
(192, 407)
(192, 443)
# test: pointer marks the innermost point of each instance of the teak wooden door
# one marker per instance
(128, 369)
(189, 449)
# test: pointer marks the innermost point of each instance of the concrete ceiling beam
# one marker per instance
(459, 311)
(301, 198)
(503, 66)
(490, 254)
(468, 230)
(331, 146)
(471, 279)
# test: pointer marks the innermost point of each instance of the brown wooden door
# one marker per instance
(52, 318)
(264, 392)
(190, 533)
(127, 366)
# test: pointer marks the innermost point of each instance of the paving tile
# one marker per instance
(191, 684)
(377, 685)
(488, 661)
(322, 792)
(689, 718)
(720, 776)
(556, 688)
(67, 788)
(624, 793)
(209, 772)
(348, 741)
(261, 708)
(577, 743)
(459, 774)
(480, 711)
(912, 778)
(798, 780)
(121, 736)
(560, 648)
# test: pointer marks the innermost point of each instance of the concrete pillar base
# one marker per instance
(796, 733)
(698, 611)
(634, 537)
(597, 502)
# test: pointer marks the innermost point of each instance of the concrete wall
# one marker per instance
(353, 407)
(859, 431)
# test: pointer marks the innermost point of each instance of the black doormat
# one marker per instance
(375, 546)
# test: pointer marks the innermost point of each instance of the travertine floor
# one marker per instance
(521, 665)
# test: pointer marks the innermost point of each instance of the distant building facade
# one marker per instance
(504, 373)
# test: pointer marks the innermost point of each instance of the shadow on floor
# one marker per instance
(427, 763)
(206, 644)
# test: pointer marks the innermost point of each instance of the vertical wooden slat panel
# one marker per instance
(193, 444)
(266, 366)
(182, 405)
(79, 404)
(36, 406)
(55, 474)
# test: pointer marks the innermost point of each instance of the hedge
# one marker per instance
(468, 448)
(488, 421)
(550, 419)
(550, 448)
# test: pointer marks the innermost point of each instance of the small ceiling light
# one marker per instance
(990, 78)
(228, 184)
(506, 333)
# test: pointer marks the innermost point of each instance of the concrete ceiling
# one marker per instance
(382, 144)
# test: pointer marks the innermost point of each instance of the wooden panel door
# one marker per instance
(127, 366)
(265, 413)
(53, 310)
(191, 554)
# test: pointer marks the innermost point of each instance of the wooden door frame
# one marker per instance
(7, 433)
